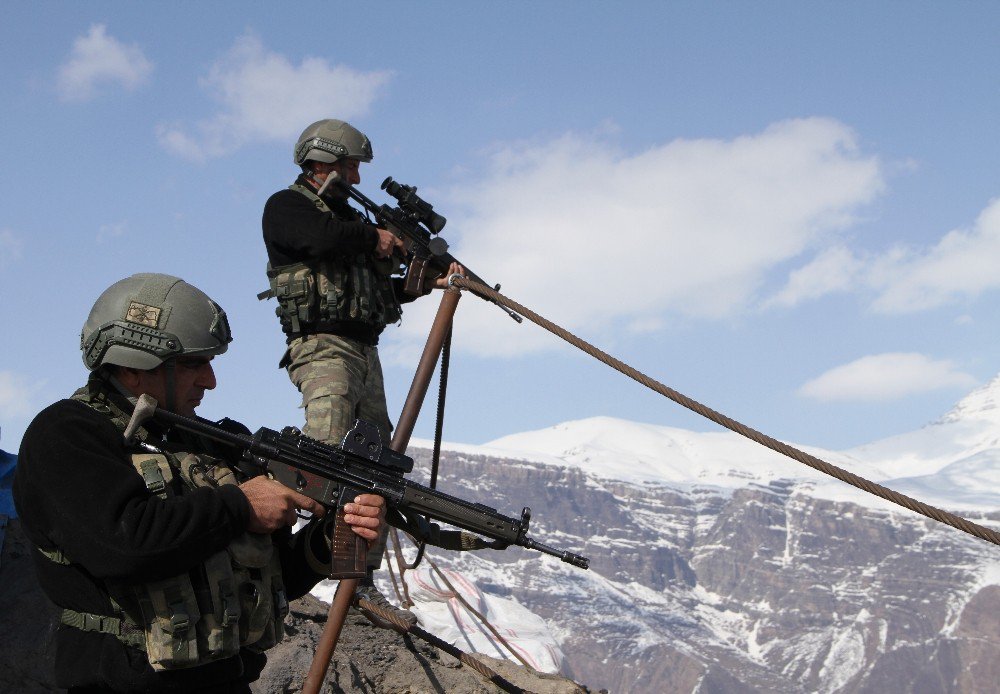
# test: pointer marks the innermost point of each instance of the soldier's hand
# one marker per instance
(366, 515)
(442, 281)
(387, 242)
(273, 505)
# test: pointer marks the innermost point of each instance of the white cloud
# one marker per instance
(889, 376)
(833, 270)
(592, 237)
(98, 58)
(905, 279)
(262, 95)
(16, 393)
(10, 247)
(963, 264)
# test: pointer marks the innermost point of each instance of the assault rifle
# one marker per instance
(418, 225)
(334, 475)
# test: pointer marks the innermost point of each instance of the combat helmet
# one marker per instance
(144, 320)
(329, 140)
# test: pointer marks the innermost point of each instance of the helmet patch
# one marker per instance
(143, 314)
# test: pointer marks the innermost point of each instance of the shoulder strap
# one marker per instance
(122, 628)
(95, 396)
(316, 200)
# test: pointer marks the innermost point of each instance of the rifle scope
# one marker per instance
(414, 205)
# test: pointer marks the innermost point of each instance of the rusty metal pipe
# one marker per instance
(331, 634)
(425, 369)
(400, 440)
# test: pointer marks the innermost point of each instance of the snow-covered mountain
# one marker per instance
(719, 565)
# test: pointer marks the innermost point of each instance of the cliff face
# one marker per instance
(761, 588)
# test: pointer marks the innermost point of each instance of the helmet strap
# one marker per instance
(120, 387)
(168, 367)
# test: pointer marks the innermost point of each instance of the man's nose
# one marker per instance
(206, 377)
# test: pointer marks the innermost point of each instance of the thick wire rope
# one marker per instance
(812, 461)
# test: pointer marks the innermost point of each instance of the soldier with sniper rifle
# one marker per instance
(334, 274)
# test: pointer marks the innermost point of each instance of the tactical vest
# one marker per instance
(235, 598)
(348, 289)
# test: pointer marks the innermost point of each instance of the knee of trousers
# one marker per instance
(328, 418)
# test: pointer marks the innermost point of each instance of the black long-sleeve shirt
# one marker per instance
(75, 490)
(296, 231)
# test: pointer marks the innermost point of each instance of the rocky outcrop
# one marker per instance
(373, 660)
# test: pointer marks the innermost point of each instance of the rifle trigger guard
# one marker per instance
(451, 279)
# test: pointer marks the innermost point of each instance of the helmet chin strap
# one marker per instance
(120, 387)
(171, 402)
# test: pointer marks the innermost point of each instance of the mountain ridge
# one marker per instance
(740, 570)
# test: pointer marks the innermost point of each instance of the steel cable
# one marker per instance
(812, 461)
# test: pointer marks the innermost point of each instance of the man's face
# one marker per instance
(348, 169)
(192, 377)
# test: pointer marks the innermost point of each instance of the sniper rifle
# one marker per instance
(415, 222)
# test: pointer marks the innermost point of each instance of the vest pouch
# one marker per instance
(170, 609)
(333, 291)
(294, 288)
(219, 629)
(204, 471)
(273, 630)
(361, 302)
(240, 580)
(252, 556)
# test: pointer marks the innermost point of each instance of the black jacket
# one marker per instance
(75, 490)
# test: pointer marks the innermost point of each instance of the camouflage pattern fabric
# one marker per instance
(340, 381)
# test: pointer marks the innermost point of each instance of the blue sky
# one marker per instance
(787, 211)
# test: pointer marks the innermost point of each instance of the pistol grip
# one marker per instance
(348, 550)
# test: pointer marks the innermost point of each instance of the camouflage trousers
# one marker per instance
(340, 381)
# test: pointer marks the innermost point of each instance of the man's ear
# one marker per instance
(128, 377)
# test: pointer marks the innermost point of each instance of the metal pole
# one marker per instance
(425, 369)
(400, 440)
(331, 633)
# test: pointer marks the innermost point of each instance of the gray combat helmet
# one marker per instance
(329, 140)
(143, 320)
